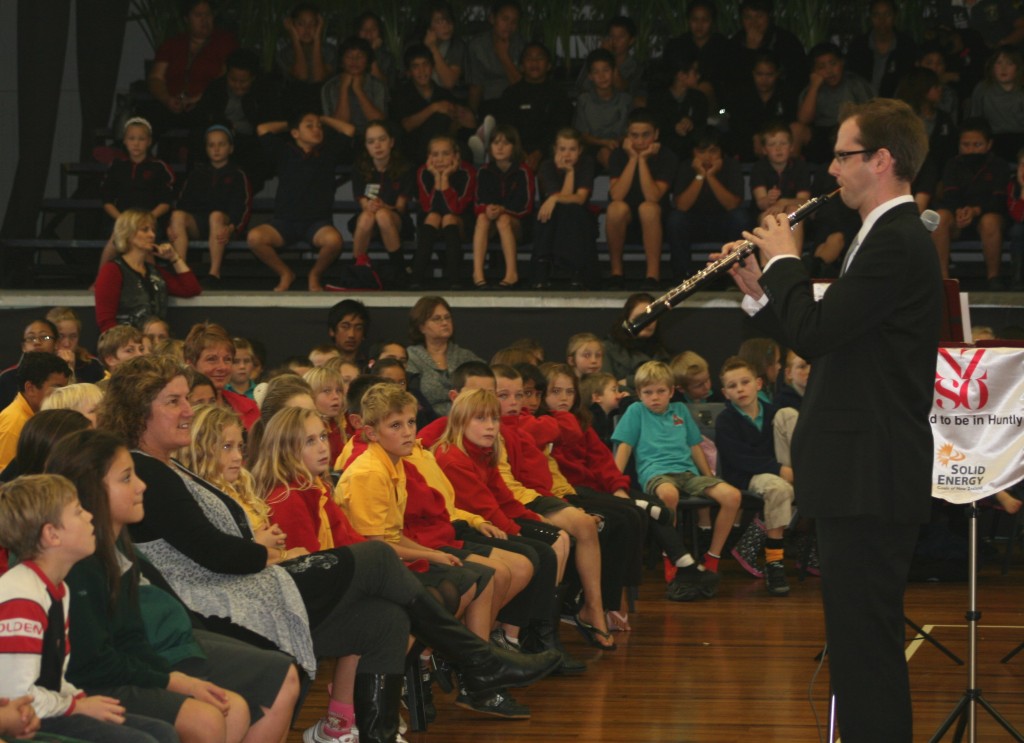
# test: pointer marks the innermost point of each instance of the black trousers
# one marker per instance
(864, 565)
(622, 541)
(534, 601)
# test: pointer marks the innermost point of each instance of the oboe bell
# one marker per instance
(677, 294)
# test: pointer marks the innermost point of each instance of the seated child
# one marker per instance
(565, 229)
(215, 203)
(746, 454)
(243, 369)
(138, 182)
(765, 358)
(536, 105)
(504, 198)
(585, 354)
(329, 398)
(759, 101)
(43, 524)
(307, 58)
(601, 113)
(779, 182)
(155, 330)
(787, 405)
(383, 184)
(708, 199)
(304, 202)
(601, 482)
(117, 345)
(641, 172)
(669, 460)
(200, 389)
(133, 638)
(830, 87)
(999, 99)
(693, 378)
(681, 108)
(491, 57)
(602, 389)
(370, 28)
(424, 108)
(974, 196)
(619, 38)
(354, 94)
(446, 187)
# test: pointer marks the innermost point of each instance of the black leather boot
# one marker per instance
(544, 636)
(484, 667)
(453, 255)
(426, 237)
(377, 699)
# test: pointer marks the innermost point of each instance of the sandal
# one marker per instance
(508, 284)
(481, 284)
(618, 621)
(590, 633)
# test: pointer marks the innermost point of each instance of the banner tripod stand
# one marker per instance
(965, 711)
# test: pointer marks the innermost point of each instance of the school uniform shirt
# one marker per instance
(27, 599)
(372, 493)
(583, 459)
(975, 180)
(793, 179)
(305, 180)
(426, 465)
(537, 111)
(745, 447)
(663, 166)
(227, 189)
(374, 88)
(483, 67)
(479, 487)
(1014, 201)
(730, 176)
(246, 408)
(407, 101)
(144, 185)
(310, 518)
(426, 516)
(661, 442)
(12, 419)
(852, 88)
(524, 463)
(389, 188)
(551, 178)
(749, 113)
(601, 118)
(511, 189)
(669, 110)
(1003, 109)
(453, 200)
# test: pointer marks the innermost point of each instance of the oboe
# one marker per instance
(677, 294)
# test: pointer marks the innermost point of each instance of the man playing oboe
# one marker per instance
(862, 449)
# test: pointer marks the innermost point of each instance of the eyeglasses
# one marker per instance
(38, 338)
(841, 155)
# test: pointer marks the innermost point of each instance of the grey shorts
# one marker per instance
(688, 484)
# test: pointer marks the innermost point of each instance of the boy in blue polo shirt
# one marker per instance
(669, 461)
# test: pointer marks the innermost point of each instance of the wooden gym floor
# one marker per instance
(737, 668)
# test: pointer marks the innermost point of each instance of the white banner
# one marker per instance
(977, 422)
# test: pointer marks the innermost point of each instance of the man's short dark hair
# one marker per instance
(642, 116)
(244, 59)
(356, 42)
(886, 123)
(825, 47)
(469, 369)
(600, 55)
(357, 388)
(417, 51)
(347, 307)
(624, 22)
(977, 124)
(37, 366)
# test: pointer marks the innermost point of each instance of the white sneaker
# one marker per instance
(322, 732)
(479, 150)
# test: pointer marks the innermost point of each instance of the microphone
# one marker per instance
(930, 220)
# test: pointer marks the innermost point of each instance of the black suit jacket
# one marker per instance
(863, 444)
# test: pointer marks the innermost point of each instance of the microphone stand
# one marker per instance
(965, 711)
